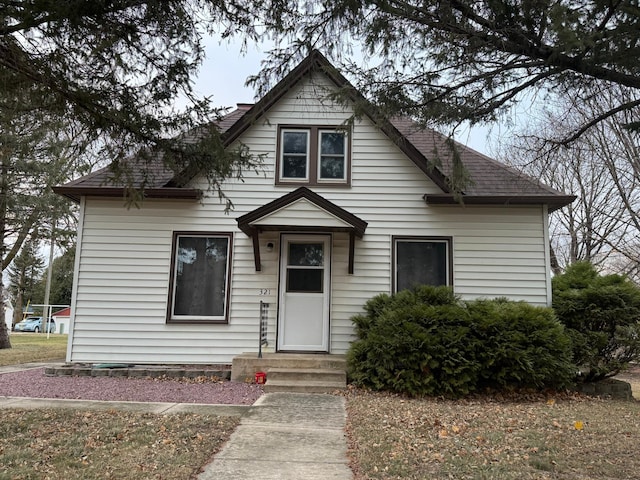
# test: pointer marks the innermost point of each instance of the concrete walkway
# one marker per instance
(282, 436)
(288, 436)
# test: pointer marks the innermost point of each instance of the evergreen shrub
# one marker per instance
(601, 314)
(426, 341)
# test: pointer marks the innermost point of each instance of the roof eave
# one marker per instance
(75, 193)
(553, 201)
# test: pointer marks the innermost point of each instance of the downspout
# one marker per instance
(547, 253)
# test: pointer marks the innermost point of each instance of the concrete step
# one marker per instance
(302, 386)
(246, 365)
(307, 374)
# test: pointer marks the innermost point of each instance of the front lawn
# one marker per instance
(65, 444)
(541, 437)
(34, 347)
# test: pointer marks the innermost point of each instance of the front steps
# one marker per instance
(288, 372)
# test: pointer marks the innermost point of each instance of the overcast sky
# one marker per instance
(226, 69)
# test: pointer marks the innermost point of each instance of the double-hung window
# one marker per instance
(313, 156)
(199, 290)
(295, 155)
(421, 261)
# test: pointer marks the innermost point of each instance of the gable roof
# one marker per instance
(490, 181)
(328, 215)
(320, 215)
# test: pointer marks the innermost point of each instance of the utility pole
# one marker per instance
(47, 307)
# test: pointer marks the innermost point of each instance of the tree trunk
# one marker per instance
(555, 265)
(4, 172)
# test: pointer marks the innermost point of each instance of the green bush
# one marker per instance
(523, 345)
(601, 314)
(427, 341)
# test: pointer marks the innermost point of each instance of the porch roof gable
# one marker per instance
(320, 215)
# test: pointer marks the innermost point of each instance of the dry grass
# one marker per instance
(34, 347)
(559, 437)
(66, 444)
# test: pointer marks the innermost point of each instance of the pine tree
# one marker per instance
(24, 275)
(102, 77)
(61, 280)
(447, 62)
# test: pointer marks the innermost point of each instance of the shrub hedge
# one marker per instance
(427, 341)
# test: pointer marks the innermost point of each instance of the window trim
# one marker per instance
(313, 156)
(448, 241)
(186, 319)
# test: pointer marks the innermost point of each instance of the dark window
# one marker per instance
(421, 262)
(332, 155)
(304, 280)
(305, 267)
(295, 154)
(200, 281)
(313, 155)
(306, 254)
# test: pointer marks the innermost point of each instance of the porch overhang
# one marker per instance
(285, 213)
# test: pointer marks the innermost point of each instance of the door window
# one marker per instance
(305, 267)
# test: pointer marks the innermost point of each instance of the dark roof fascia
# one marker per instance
(257, 110)
(554, 201)
(244, 222)
(274, 95)
(74, 193)
(316, 60)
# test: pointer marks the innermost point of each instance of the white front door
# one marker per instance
(303, 319)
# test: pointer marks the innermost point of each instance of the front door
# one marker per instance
(303, 319)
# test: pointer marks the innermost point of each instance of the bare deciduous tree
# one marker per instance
(602, 168)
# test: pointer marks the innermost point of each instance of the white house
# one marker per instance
(339, 213)
(62, 318)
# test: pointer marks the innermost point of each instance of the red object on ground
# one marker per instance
(261, 377)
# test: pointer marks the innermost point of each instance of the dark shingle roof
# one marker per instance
(488, 176)
(491, 182)
(155, 182)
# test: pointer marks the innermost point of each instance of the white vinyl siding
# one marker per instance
(124, 259)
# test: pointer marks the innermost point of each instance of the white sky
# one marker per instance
(225, 71)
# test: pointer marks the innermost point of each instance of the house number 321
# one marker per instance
(265, 291)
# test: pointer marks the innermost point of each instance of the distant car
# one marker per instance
(34, 324)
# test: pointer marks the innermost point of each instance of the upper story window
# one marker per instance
(295, 155)
(313, 156)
